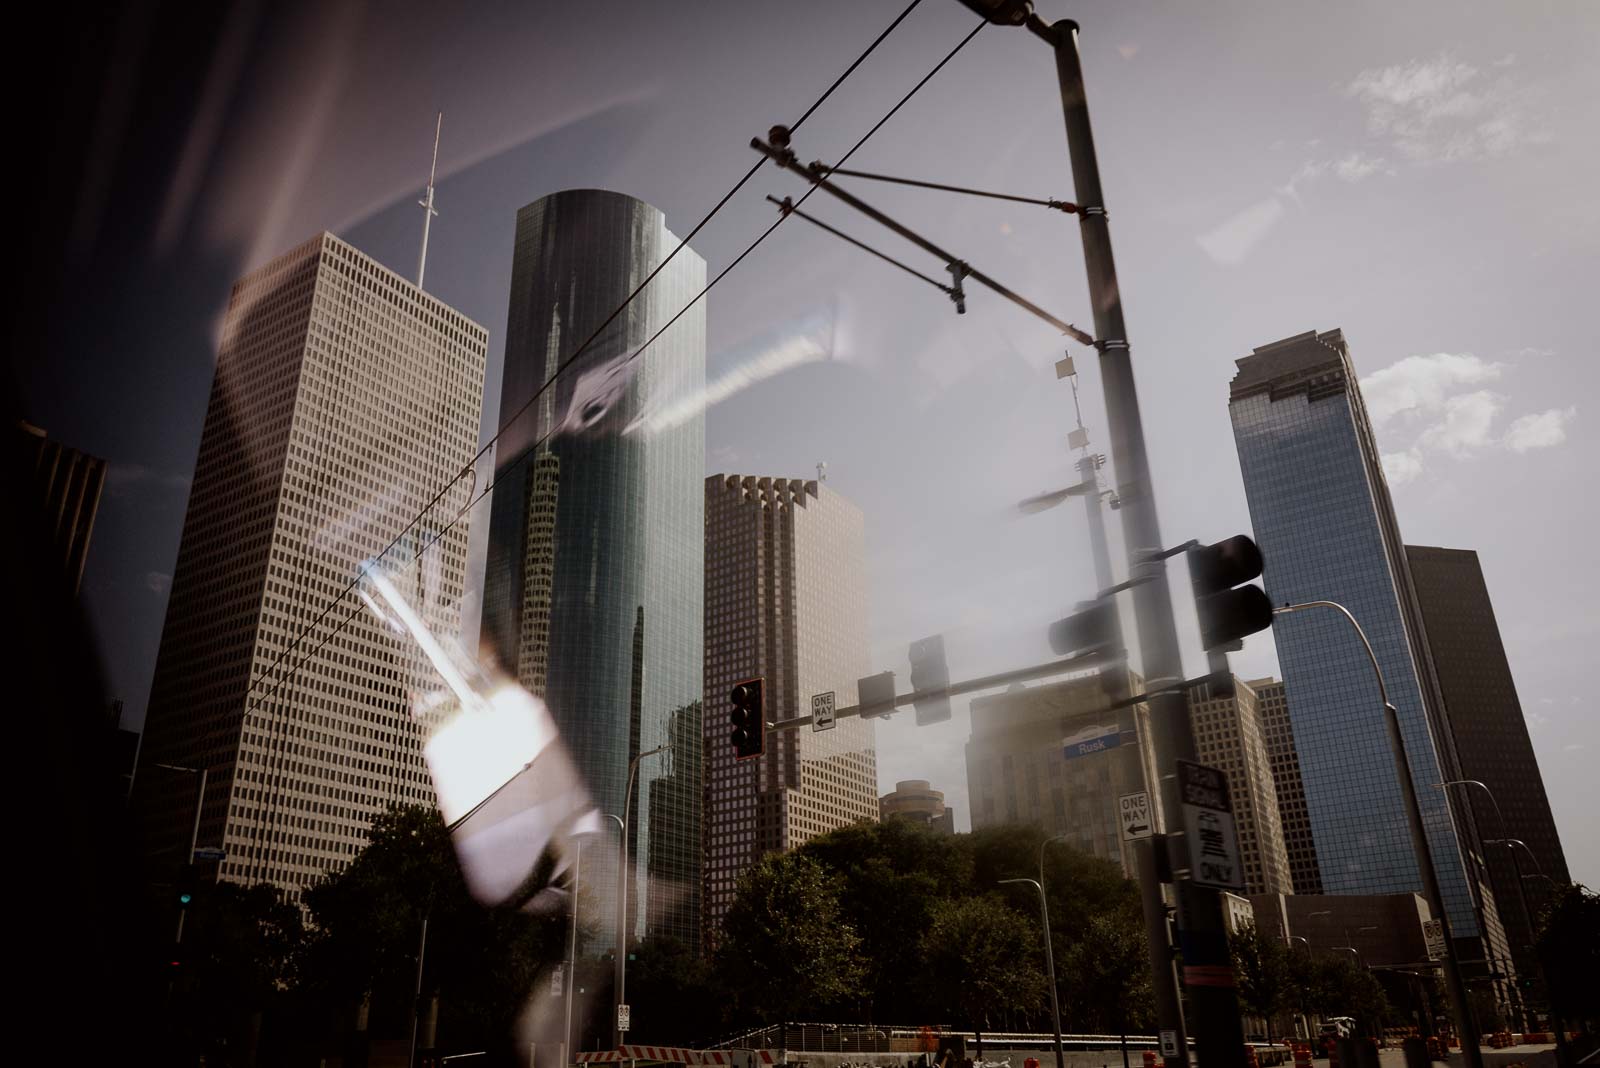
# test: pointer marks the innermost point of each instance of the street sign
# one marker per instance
(1169, 1043)
(822, 706)
(622, 1017)
(1208, 827)
(1433, 935)
(557, 982)
(876, 690)
(1094, 739)
(210, 853)
(1135, 812)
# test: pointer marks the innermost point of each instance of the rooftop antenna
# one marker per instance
(427, 205)
(822, 471)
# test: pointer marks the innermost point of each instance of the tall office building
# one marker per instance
(66, 486)
(1228, 734)
(344, 399)
(1272, 708)
(593, 582)
(1491, 736)
(785, 600)
(916, 801)
(1053, 757)
(1327, 530)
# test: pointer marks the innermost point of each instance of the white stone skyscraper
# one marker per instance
(785, 599)
(344, 399)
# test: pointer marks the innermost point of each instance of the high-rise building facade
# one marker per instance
(1322, 514)
(1052, 756)
(916, 801)
(1228, 734)
(67, 485)
(1272, 709)
(785, 600)
(1491, 735)
(593, 581)
(345, 398)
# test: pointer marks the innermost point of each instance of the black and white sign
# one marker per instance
(822, 711)
(1208, 827)
(1169, 1043)
(1433, 935)
(622, 1017)
(558, 984)
(1134, 810)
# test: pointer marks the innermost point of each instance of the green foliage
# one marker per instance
(1265, 974)
(1105, 976)
(239, 951)
(676, 996)
(981, 958)
(787, 947)
(1568, 945)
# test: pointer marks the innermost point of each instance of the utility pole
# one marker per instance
(426, 204)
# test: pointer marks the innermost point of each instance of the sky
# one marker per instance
(1420, 176)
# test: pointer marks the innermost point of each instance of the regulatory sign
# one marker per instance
(1208, 827)
(1433, 935)
(622, 1017)
(557, 982)
(822, 711)
(1169, 1043)
(1135, 812)
(1095, 739)
(210, 853)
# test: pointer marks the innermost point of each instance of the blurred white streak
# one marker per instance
(1232, 241)
(792, 352)
(227, 63)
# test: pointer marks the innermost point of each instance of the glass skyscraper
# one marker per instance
(593, 585)
(1327, 530)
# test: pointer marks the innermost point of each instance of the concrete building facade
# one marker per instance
(1272, 709)
(1228, 734)
(67, 485)
(916, 801)
(345, 398)
(785, 600)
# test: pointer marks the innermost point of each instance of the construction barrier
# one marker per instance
(1149, 1058)
(1250, 1059)
(1302, 1056)
(676, 1055)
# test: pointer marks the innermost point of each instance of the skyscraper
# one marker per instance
(785, 600)
(1228, 734)
(1491, 735)
(593, 583)
(1272, 707)
(1327, 530)
(344, 399)
(67, 485)
(1051, 756)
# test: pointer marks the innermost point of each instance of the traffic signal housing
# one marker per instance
(749, 718)
(1228, 607)
(1095, 627)
(184, 888)
(930, 672)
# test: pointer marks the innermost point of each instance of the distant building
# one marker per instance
(1491, 736)
(593, 575)
(1053, 757)
(1272, 709)
(1228, 735)
(1385, 929)
(345, 399)
(67, 485)
(915, 800)
(1321, 512)
(785, 582)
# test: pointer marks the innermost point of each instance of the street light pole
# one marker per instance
(622, 895)
(194, 829)
(1049, 960)
(1419, 841)
(568, 1053)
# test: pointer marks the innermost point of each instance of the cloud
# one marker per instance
(1442, 109)
(1572, 747)
(1529, 352)
(1421, 384)
(1128, 51)
(1467, 424)
(1357, 166)
(1401, 467)
(1230, 242)
(158, 582)
(1539, 431)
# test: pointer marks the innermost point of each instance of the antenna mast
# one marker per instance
(427, 204)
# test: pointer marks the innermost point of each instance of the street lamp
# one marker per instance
(1049, 960)
(1419, 841)
(194, 830)
(572, 942)
(622, 892)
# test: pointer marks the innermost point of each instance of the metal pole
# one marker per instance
(416, 995)
(622, 895)
(1208, 969)
(1419, 842)
(194, 837)
(572, 952)
(1049, 960)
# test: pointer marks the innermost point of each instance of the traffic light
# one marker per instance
(749, 719)
(1094, 627)
(1227, 607)
(185, 885)
(930, 672)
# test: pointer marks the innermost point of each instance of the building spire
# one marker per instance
(427, 203)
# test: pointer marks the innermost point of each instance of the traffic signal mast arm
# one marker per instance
(955, 689)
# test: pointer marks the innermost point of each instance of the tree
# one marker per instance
(1568, 945)
(786, 945)
(675, 995)
(1264, 974)
(1107, 975)
(1334, 986)
(981, 958)
(239, 953)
